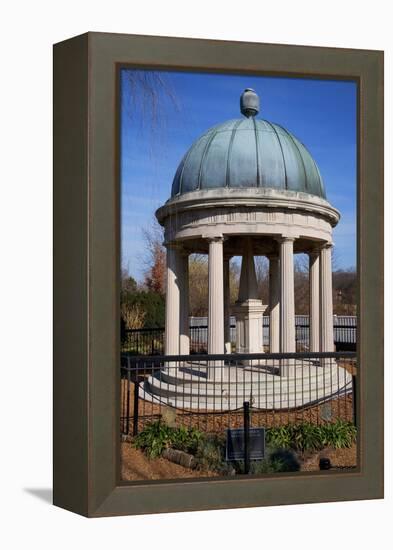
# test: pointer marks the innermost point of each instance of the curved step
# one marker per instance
(161, 383)
(207, 405)
(242, 374)
(274, 392)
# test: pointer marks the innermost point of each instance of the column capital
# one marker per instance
(174, 245)
(178, 246)
(214, 239)
(327, 245)
(285, 239)
(272, 256)
(314, 253)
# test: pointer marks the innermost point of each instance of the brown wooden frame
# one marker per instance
(86, 273)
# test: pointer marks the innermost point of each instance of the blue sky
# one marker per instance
(154, 138)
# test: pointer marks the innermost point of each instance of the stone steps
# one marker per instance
(205, 405)
(219, 392)
(302, 377)
(272, 392)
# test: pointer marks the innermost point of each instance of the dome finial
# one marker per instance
(249, 103)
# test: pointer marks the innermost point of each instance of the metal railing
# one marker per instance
(144, 341)
(148, 341)
(208, 391)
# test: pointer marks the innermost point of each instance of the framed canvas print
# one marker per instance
(218, 260)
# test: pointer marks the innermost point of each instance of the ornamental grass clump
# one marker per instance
(275, 461)
(210, 455)
(339, 435)
(157, 436)
(307, 437)
(186, 439)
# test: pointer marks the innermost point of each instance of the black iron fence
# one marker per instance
(208, 391)
(144, 341)
(148, 341)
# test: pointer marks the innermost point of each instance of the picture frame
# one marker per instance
(86, 431)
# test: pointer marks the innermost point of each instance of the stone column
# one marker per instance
(326, 296)
(274, 304)
(184, 343)
(172, 307)
(287, 304)
(216, 301)
(314, 322)
(249, 308)
(227, 313)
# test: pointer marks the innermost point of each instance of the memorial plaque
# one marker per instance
(235, 444)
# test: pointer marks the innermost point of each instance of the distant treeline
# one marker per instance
(143, 304)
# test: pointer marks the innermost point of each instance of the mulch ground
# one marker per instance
(338, 408)
(136, 466)
(339, 458)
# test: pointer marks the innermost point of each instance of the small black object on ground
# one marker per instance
(324, 464)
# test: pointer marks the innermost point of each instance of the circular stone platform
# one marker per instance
(188, 387)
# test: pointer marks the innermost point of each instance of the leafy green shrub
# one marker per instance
(275, 461)
(157, 436)
(153, 439)
(209, 449)
(307, 437)
(280, 437)
(210, 454)
(339, 435)
(283, 460)
(150, 303)
(310, 437)
(186, 439)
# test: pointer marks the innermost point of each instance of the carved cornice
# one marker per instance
(235, 199)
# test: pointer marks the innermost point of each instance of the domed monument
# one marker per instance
(248, 187)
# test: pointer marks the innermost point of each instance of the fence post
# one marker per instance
(354, 400)
(246, 417)
(136, 402)
(128, 397)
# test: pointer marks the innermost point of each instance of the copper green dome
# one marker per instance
(246, 153)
